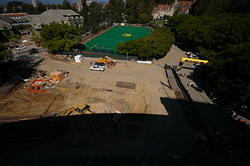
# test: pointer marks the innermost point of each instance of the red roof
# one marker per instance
(13, 14)
(185, 3)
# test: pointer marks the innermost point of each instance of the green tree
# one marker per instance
(139, 11)
(14, 39)
(156, 45)
(223, 40)
(4, 53)
(1, 9)
(114, 10)
(60, 37)
(201, 7)
(66, 5)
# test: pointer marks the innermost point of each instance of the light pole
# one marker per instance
(127, 56)
(89, 13)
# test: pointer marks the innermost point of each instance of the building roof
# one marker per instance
(13, 14)
(161, 7)
(185, 3)
(51, 16)
(59, 12)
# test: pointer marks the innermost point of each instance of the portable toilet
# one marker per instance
(78, 58)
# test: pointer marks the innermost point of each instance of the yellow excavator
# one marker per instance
(75, 111)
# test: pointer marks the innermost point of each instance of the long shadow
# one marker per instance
(111, 139)
(23, 67)
(198, 77)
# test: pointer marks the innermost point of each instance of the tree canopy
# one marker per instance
(60, 37)
(66, 4)
(156, 45)
(18, 6)
(224, 40)
(220, 6)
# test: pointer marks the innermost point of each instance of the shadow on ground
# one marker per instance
(14, 72)
(111, 139)
(22, 67)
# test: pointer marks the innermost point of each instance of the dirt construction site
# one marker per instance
(127, 87)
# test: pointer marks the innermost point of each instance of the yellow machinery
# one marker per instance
(189, 60)
(75, 111)
(106, 59)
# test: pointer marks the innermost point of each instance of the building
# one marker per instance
(89, 2)
(64, 16)
(183, 7)
(15, 18)
(162, 10)
(177, 7)
(79, 5)
(34, 3)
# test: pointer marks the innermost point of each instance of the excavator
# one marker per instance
(75, 111)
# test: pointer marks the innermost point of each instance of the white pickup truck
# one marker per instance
(97, 68)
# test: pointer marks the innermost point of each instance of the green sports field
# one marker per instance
(111, 38)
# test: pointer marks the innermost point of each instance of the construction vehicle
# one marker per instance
(190, 60)
(100, 64)
(106, 60)
(75, 111)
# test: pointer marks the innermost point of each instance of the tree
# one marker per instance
(60, 37)
(66, 4)
(14, 39)
(36, 38)
(224, 40)
(201, 7)
(139, 11)
(5, 57)
(114, 10)
(1, 9)
(15, 6)
(156, 45)
(4, 53)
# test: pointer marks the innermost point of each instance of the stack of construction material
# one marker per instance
(123, 84)
(57, 76)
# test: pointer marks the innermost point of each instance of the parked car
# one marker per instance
(188, 53)
(97, 68)
(21, 47)
(193, 56)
